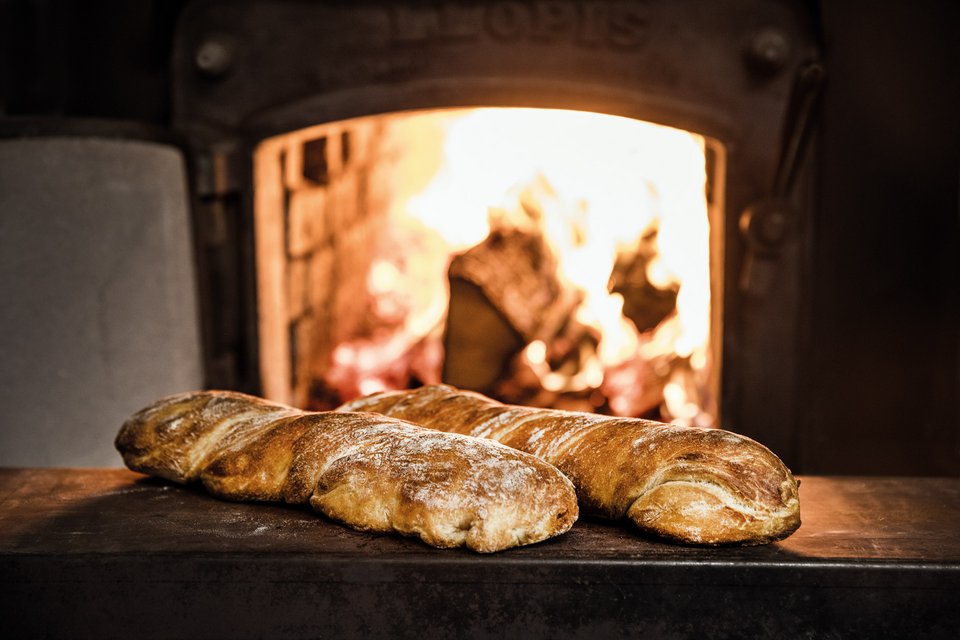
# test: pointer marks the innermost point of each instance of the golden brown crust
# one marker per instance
(368, 471)
(696, 486)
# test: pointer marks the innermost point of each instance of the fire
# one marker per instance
(599, 189)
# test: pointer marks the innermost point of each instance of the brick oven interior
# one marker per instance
(371, 296)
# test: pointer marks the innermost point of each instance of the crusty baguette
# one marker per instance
(689, 485)
(367, 471)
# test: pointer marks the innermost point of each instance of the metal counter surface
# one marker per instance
(111, 553)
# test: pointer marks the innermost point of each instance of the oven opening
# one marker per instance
(544, 257)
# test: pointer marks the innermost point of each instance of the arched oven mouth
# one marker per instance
(546, 257)
(304, 119)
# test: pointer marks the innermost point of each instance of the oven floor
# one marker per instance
(110, 553)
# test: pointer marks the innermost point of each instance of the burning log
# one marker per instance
(478, 340)
(517, 273)
(645, 304)
(635, 387)
(523, 384)
(375, 363)
(504, 294)
(513, 329)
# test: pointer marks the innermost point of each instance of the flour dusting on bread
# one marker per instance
(698, 486)
(371, 472)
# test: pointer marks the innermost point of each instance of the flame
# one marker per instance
(593, 184)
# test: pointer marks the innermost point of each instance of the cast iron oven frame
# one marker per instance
(244, 72)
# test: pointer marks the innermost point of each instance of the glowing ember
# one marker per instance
(596, 187)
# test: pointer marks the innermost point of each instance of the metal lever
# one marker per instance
(797, 125)
(768, 223)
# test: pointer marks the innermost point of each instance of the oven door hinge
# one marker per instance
(217, 170)
(767, 224)
(220, 232)
(216, 183)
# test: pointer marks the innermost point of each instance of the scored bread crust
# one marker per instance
(367, 471)
(685, 484)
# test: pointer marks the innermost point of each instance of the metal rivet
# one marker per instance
(773, 227)
(768, 51)
(766, 225)
(215, 56)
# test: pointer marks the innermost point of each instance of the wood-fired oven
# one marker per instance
(821, 333)
(517, 196)
(311, 209)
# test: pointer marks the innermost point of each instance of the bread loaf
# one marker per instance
(689, 485)
(368, 471)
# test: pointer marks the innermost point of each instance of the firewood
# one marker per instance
(643, 303)
(517, 273)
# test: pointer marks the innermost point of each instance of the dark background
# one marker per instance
(880, 349)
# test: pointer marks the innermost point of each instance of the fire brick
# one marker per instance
(305, 220)
(315, 166)
(319, 279)
(344, 206)
(297, 301)
(292, 158)
(301, 351)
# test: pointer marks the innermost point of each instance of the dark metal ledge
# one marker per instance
(109, 553)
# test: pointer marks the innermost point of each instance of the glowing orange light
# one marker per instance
(593, 184)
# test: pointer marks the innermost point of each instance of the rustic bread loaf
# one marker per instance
(690, 485)
(368, 471)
